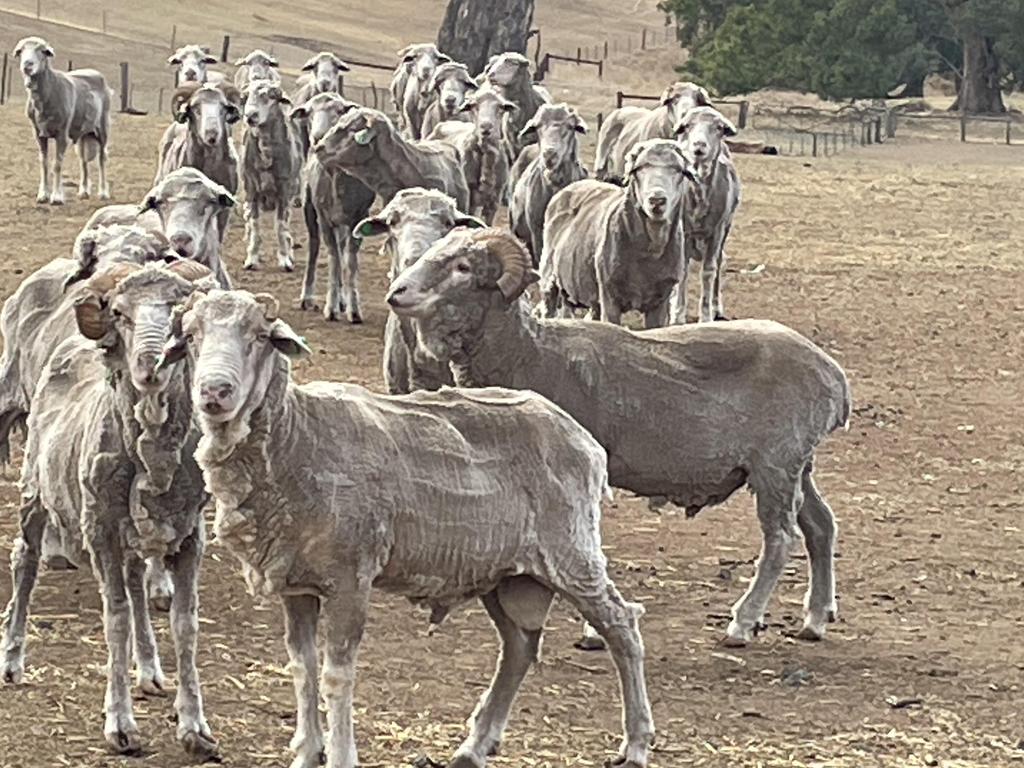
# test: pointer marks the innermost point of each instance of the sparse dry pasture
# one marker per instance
(904, 261)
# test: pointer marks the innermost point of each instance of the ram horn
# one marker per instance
(515, 260)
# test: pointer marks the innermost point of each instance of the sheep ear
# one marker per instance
(443, 58)
(87, 257)
(341, 65)
(300, 112)
(463, 220)
(208, 59)
(272, 62)
(310, 64)
(148, 204)
(48, 51)
(580, 125)
(232, 113)
(528, 130)
(728, 129)
(282, 98)
(371, 227)
(226, 200)
(668, 96)
(175, 59)
(509, 107)
(286, 341)
(242, 62)
(703, 99)
(181, 115)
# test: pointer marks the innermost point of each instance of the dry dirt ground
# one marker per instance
(904, 262)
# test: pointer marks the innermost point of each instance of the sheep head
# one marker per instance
(326, 69)
(188, 204)
(353, 139)
(555, 128)
(33, 55)
(192, 62)
(681, 97)
(702, 132)
(321, 112)
(655, 174)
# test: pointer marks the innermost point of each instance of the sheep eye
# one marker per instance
(462, 267)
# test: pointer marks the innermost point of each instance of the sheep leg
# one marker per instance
(776, 512)
(193, 731)
(120, 729)
(24, 570)
(57, 190)
(159, 585)
(609, 310)
(308, 299)
(711, 274)
(397, 359)
(149, 676)
(43, 195)
(657, 317)
(351, 278)
(301, 613)
(104, 190)
(252, 235)
(284, 235)
(617, 621)
(679, 298)
(344, 619)
(707, 287)
(818, 525)
(550, 299)
(333, 306)
(84, 182)
(520, 648)
(719, 274)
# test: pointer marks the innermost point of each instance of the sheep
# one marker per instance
(324, 73)
(411, 86)
(688, 414)
(186, 208)
(626, 127)
(554, 166)
(333, 202)
(414, 220)
(256, 65)
(450, 86)
(483, 147)
(710, 205)
(612, 249)
(509, 73)
(108, 463)
(200, 137)
(364, 143)
(67, 107)
(439, 496)
(271, 170)
(192, 65)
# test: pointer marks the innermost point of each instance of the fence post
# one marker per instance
(643, 39)
(600, 120)
(341, 86)
(160, 102)
(125, 86)
(373, 89)
(600, 70)
(814, 145)
(39, 9)
(174, 37)
(71, 65)
(579, 55)
(890, 127)
(104, 22)
(963, 127)
(744, 108)
(3, 82)
(618, 99)
(224, 50)
(606, 49)
(878, 130)
(1008, 131)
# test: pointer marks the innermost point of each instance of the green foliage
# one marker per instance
(841, 49)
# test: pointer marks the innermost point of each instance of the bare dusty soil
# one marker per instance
(904, 262)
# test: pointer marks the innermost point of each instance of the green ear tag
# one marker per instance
(364, 137)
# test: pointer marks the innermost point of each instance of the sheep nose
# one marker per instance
(183, 244)
(251, 120)
(550, 154)
(658, 201)
(449, 103)
(486, 129)
(700, 148)
(395, 296)
(214, 396)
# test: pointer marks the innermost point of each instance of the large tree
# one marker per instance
(475, 30)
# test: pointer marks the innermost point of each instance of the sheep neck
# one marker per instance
(568, 169)
(649, 236)
(501, 349)
(404, 166)
(270, 135)
(698, 195)
(42, 89)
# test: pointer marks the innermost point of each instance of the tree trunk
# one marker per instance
(475, 30)
(979, 89)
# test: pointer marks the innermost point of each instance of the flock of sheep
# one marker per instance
(147, 386)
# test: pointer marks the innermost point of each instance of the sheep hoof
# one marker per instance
(811, 632)
(251, 266)
(200, 742)
(13, 672)
(152, 685)
(105, 194)
(83, 194)
(730, 641)
(332, 315)
(721, 316)
(355, 318)
(59, 563)
(314, 761)
(124, 739)
(57, 200)
(43, 197)
(286, 264)
(590, 643)
(466, 761)
(308, 305)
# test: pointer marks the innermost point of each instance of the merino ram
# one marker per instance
(109, 464)
(611, 249)
(482, 144)
(68, 108)
(200, 137)
(554, 166)
(365, 144)
(628, 126)
(271, 170)
(490, 494)
(333, 203)
(413, 221)
(688, 414)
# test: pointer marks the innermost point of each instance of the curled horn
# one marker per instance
(190, 270)
(270, 305)
(89, 309)
(516, 263)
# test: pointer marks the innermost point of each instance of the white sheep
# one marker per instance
(440, 497)
(688, 414)
(256, 65)
(68, 108)
(192, 65)
(411, 85)
(511, 74)
(449, 88)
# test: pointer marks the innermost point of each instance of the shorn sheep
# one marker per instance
(414, 220)
(439, 497)
(271, 170)
(200, 137)
(710, 205)
(109, 464)
(688, 414)
(411, 84)
(510, 74)
(67, 108)
(256, 65)
(333, 203)
(450, 86)
(628, 126)
(554, 166)
(366, 144)
(192, 63)
(611, 249)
